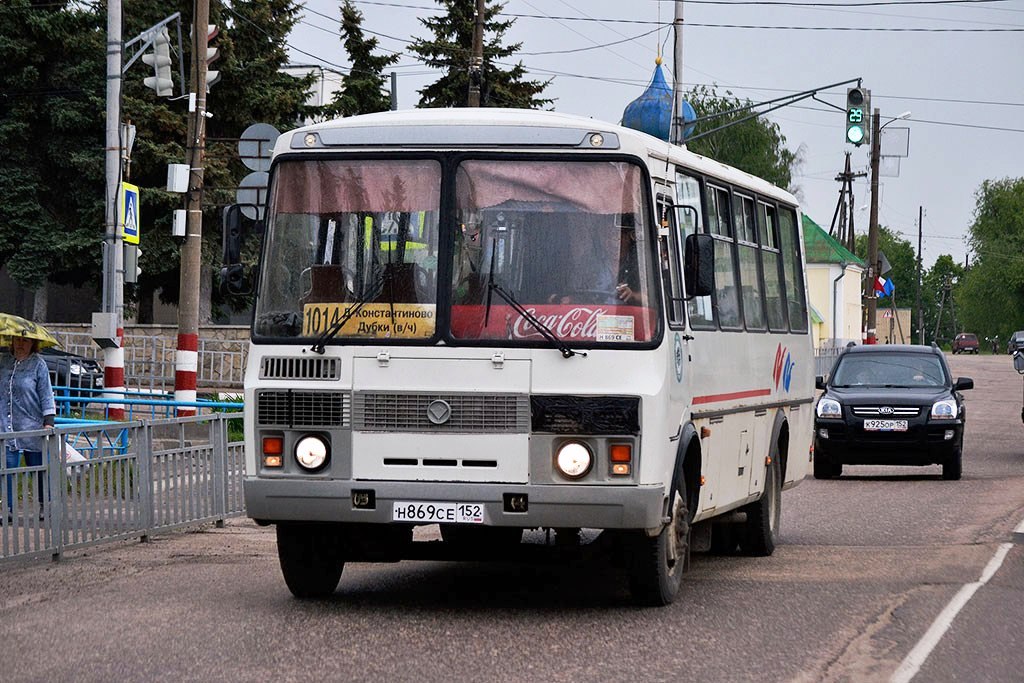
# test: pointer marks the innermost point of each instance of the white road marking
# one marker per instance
(913, 662)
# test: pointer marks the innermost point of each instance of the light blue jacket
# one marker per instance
(25, 398)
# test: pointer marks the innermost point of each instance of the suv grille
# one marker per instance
(478, 413)
(286, 367)
(303, 408)
(897, 411)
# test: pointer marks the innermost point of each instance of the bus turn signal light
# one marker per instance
(622, 452)
(273, 445)
(620, 468)
(272, 461)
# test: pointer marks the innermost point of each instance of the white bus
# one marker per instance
(501, 320)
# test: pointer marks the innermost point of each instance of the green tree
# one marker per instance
(756, 146)
(51, 132)
(903, 258)
(52, 104)
(363, 88)
(450, 49)
(991, 295)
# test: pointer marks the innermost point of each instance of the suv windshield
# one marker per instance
(889, 369)
(567, 240)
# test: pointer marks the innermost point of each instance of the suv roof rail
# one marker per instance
(934, 345)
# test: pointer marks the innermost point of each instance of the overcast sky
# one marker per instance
(964, 86)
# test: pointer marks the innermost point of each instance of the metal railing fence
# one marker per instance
(149, 361)
(139, 479)
(825, 358)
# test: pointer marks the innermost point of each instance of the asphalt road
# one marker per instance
(867, 564)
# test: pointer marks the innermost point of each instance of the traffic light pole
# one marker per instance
(186, 360)
(870, 336)
(108, 326)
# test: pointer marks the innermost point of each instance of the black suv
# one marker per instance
(890, 405)
(1015, 342)
(71, 373)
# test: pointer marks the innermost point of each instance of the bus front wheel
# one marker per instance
(659, 562)
(311, 559)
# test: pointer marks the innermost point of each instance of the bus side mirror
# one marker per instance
(1018, 361)
(699, 265)
(237, 226)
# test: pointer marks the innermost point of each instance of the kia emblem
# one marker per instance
(885, 410)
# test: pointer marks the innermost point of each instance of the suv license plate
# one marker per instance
(885, 425)
(438, 513)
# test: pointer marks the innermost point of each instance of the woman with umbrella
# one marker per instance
(26, 397)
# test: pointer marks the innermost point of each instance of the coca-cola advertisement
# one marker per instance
(569, 322)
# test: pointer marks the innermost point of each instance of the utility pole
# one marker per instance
(186, 360)
(869, 285)
(476, 63)
(920, 313)
(844, 212)
(108, 325)
(676, 134)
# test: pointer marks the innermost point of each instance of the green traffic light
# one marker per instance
(855, 134)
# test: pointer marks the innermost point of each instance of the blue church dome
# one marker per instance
(651, 113)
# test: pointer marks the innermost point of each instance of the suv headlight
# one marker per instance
(829, 408)
(75, 369)
(945, 409)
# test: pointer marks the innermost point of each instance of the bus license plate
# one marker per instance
(438, 513)
(885, 425)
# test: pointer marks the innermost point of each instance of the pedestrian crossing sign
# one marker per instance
(129, 213)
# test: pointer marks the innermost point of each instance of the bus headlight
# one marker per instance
(311, 453)
(573, 459)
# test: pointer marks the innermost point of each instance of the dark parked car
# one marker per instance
(965, 342)
(1015, 342)
(73, 372)
(890, 405)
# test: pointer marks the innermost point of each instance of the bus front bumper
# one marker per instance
(594, 507)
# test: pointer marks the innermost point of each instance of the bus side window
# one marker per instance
(793, 267)
(771, 261)
(749, 258)
(670, 248)
(690, 217)
(727, 295)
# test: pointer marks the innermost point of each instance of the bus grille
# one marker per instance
(475, 413)
(285, 367)
(295, 408)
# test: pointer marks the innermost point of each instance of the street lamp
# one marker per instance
(869, 286)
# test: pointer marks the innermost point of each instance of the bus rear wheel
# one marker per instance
(311, 559)
(659, 562)
(761, 529)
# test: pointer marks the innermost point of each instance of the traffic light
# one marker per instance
(160, 60)
(212, 55)
(858, 115)
(132, 263)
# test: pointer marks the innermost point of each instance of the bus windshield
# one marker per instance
(342, 233)
(566, 240)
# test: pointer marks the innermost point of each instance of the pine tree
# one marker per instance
(450, 49)
(363, 88)
(51, 132)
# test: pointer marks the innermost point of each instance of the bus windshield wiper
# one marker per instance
(332, 331)
(545, 331)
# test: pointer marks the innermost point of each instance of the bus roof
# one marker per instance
(503, 129)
